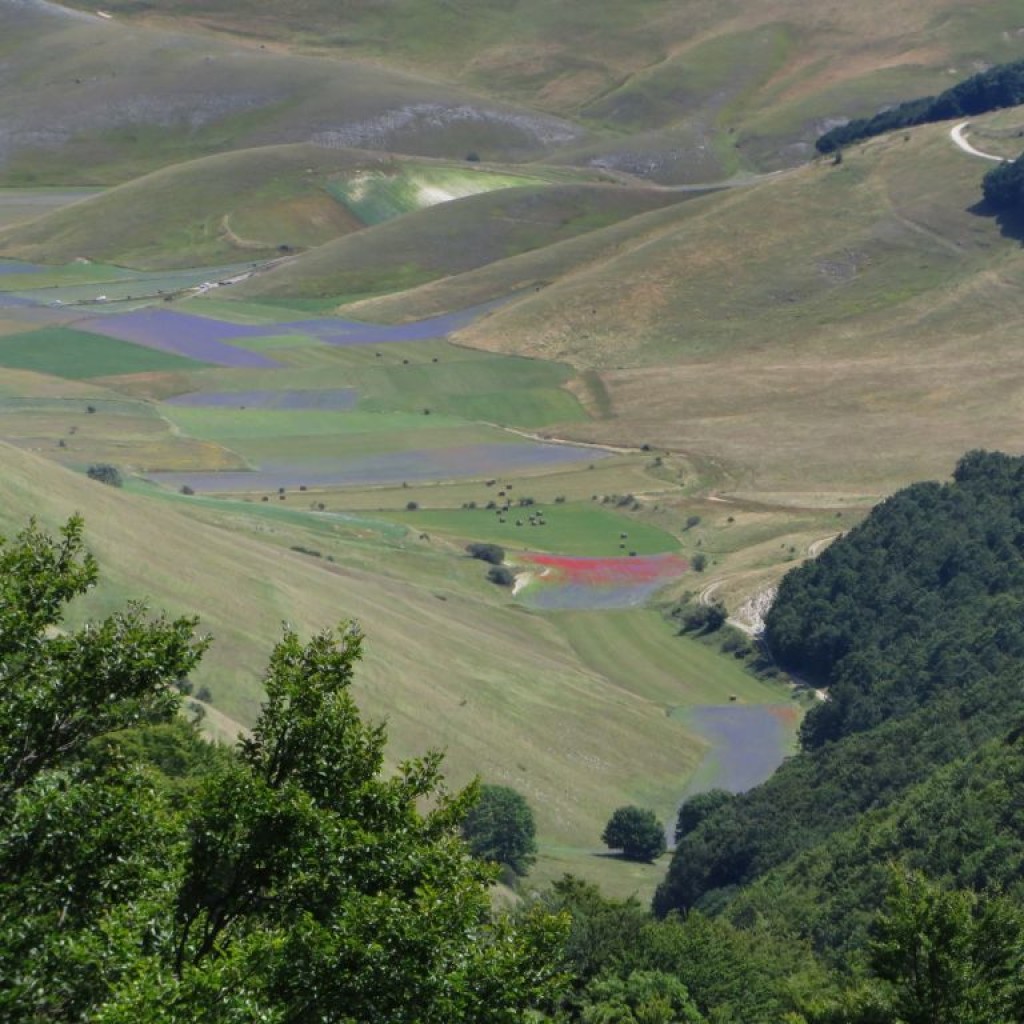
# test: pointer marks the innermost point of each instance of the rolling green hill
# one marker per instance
(246, 204)
(488, 229)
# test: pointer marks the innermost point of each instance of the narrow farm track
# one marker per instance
(816, 547)
(957, 135)
(756, 606)
(544, 439)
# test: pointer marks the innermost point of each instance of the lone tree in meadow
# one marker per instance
(501, 828)
(636, 832)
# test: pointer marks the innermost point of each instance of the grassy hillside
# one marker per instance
(681, 91)
(110, 102)
(248, 204)
(450, 663)
(793, 329)
(488, 228)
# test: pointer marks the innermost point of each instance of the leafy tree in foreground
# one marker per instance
(296, 884)
(938, 956)
(642, 997)
(501, 828)
(636, 832)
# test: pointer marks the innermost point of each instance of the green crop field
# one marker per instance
(64, 352)
(569, 529)
(678, 671)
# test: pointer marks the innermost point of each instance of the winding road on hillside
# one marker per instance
(957, 135)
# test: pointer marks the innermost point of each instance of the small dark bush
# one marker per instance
(493, 553)
(502, 575)
(105, 474)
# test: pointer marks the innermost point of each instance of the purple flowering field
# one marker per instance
(748, 742)
(197, 337)
(332, 400)
(209, 340)
(386, 468)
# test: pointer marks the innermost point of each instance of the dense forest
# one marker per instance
(913, 622)
(147, 875)
(1000, 86)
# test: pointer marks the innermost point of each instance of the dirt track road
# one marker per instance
(957, 135)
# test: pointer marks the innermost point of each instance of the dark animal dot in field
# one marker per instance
(732, 696)
(62, 443)
(405, 362)
(622, 545)
(519, 522)
(623, 536)
(632, 554)
(302, 487)
(264, 498)
(426, 412)
(434, 360)
(281, 497)
(280, 490)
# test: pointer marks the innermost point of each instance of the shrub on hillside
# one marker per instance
(493, 553)
(105, 474)
(502, 575)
